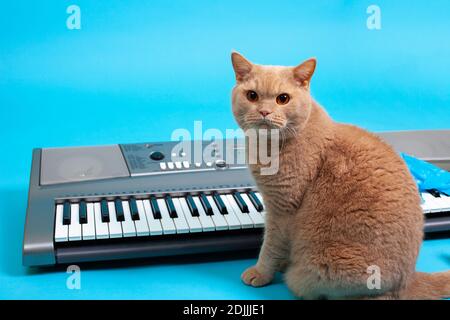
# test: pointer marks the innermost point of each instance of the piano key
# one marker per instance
(255, 201)
(128, 228)
(230, 217)
(193, 222)
(434, 193)
(119, 209)
(155, 208)
(166, 221)
(171, 207)
(205, 220)
(61, 229)
(133, 209)
(66, 213)
(244, 218)
(206, 205)
(257, 218)
(430, 204)
(83, 212)
(115, 227)
(240, 202)
(180, 221)
(192, 207)
(88, 228)
(440, 203)
(220, 204)
(141, 224)
(101, 228)
(259, 196)
(445, 202)
(75, 226)
(217, 217)
(104, 210)
(154, 225)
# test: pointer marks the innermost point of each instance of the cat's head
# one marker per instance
(271, 97)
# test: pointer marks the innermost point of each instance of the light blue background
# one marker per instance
(136, 71)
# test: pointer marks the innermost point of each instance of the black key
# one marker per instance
(241, 203)
(254, 199)
(66, 213)
(104, 210)
(434, 192)
(119, 210)
(219, 202)
(134, 210)
(206, 205)
(155, 208)
(192, 207)
(83, 212)
(171, 207)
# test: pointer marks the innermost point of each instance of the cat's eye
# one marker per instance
(252, 96)
(283, 98)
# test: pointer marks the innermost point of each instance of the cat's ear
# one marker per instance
(242, 66)
(304, 72)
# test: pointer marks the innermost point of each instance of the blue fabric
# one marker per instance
(427, 175)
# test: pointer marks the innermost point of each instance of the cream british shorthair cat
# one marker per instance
(342, 203)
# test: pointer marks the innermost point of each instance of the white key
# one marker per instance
(75, 226)
(430, 205)
(217, 217)
(205, 220)
(193, 222)
(244, 218)
(166, 221)
(441, 203)
(115, 227)
(180, 222)
(128, 228)
(61, 230)
(101, 228)
(154, 225)
(141, 224)
(258, 195)
(232, 219)
(257, 218)
(89, 227)
(445, 202)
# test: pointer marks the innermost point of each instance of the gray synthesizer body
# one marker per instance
(90, 173)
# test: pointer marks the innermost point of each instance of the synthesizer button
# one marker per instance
(178, 164)
(170, 165)
(162, 165)
(186, 164)
(157, 155)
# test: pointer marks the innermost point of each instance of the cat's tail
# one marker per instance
(427, 286)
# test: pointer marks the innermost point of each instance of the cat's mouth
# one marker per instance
(266, 123)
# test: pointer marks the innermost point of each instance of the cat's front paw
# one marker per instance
(253, 277)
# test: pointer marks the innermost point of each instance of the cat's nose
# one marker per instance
(265, 113)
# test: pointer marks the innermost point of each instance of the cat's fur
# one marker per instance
(342, 200)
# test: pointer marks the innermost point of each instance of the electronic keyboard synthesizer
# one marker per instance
(158, 199)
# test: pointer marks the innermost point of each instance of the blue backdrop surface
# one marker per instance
(137, 71)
